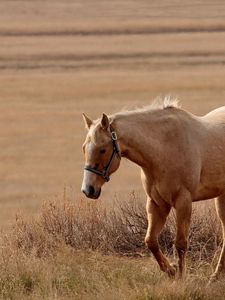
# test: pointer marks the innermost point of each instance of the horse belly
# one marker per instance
(211, 185)
(212, 176)
(204, 193)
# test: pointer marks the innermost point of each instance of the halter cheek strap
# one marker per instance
(116, 152)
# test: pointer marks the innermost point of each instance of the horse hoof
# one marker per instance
(175, 266)
(172, 271)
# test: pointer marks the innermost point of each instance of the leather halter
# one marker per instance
(116, 152)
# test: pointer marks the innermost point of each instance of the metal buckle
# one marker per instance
(106, 178)
(114, 135)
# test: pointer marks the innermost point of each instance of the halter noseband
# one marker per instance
(105, 173)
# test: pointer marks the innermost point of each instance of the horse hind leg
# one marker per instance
(220, 208)
(157, 216)
(183, 206)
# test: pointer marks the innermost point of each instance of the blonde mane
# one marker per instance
(158, 104)
(166, 102)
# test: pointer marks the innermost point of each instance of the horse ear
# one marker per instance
(87, 121)
(105, 121)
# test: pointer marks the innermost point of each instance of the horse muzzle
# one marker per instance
(91, 192)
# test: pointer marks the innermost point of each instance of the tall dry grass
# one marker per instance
(89, 225)
(78, 249)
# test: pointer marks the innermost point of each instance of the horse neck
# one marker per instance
(134, 138)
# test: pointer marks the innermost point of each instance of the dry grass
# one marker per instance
(62, 254)
(86, 225)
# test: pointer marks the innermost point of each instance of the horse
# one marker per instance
(182, 160)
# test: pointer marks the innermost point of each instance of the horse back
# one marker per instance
(217, 115)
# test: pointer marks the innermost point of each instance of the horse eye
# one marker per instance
(102, 151)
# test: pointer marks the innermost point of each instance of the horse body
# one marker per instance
(182, 159)
(212, 179)
(181, 151)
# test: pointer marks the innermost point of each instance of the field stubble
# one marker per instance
(57, 61)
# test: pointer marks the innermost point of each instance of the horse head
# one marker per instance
(102, 155)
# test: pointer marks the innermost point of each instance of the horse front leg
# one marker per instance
(156, 219)
(183, 206)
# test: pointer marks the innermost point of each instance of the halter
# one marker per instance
(105, 173)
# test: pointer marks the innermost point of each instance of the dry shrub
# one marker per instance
(82, 225)
(86, 224)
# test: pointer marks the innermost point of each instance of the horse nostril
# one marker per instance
(91, 190)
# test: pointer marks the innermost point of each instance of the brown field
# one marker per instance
(61, 58)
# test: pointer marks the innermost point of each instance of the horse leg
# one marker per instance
(183, 206)
(220, 208)
(156, 219)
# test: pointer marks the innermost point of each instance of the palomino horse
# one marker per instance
(182, 159)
